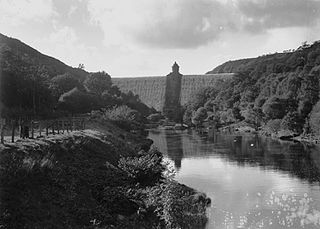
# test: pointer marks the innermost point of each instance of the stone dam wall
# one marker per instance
(151, 90)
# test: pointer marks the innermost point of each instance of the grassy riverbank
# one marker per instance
(99, 178)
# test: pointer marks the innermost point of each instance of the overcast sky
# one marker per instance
(145, 37)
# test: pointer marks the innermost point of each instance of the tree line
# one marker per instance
(30, 91)
(277, 92)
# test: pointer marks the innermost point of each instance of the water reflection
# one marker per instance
(254, 182)
(174, 148)
(301, 160)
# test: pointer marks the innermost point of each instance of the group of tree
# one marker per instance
(30, 91)
(279, 91)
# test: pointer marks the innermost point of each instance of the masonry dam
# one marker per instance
(161, 92)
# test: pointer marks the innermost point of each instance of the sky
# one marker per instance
(145, 37)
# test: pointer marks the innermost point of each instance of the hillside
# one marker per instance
(34, 85)
(277, 92)
(14, 51)
(277, 62)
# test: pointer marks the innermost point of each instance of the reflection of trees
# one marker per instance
(237, 145)
(174, 147)
(296, 158)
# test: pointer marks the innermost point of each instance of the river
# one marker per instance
(253, 182)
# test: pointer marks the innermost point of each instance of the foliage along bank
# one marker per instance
(93, 179)
(277, 92)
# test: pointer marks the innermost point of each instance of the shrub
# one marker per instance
(63, 83)
(274, 108)
(98, 82)
(155, 117)
(178, 206)
(273, 125)
(292, 121)
(199, 116)
(124, 117)
(77, 101)
(315, 119)
(146, 169)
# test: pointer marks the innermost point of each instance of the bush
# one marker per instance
(274, 125)
(146, 169)
(275, 108)
(77, 101)
(178, 206)
(293, 122)
(124, 117)
(315, 119)
(63, 83)
(199, 116)
(98, 82)
(121, 113)
(155, 117)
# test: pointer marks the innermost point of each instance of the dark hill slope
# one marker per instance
(13, 52)
(275, 63)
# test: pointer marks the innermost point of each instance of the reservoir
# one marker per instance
(253, 181)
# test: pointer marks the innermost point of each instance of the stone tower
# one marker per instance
(172, 105)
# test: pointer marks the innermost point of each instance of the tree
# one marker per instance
(254, 115)
(274, 125)
(109, 100)
(98, 82)
(236, 113)
(293, 122)
(315, 119)
(76, 101)
(198, 98)
(125, 117)
(25, 90)
(187, 115)
(133, 101)
(115, 91)
(199, 116)
(275, 108)
(309, 93)
(62, 83)
(81, 66)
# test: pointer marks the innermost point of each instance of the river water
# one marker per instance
(253, 182)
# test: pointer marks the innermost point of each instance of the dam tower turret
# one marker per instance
(172, 105)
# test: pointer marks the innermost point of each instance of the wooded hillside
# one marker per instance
(34, 85)
(279, 90)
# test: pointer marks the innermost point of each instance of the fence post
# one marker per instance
(20, 127)
(12, 131)
(53, 128)
(2, 123)
(32, 129)
(71, 125)
(58, 123)
(40, 128)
